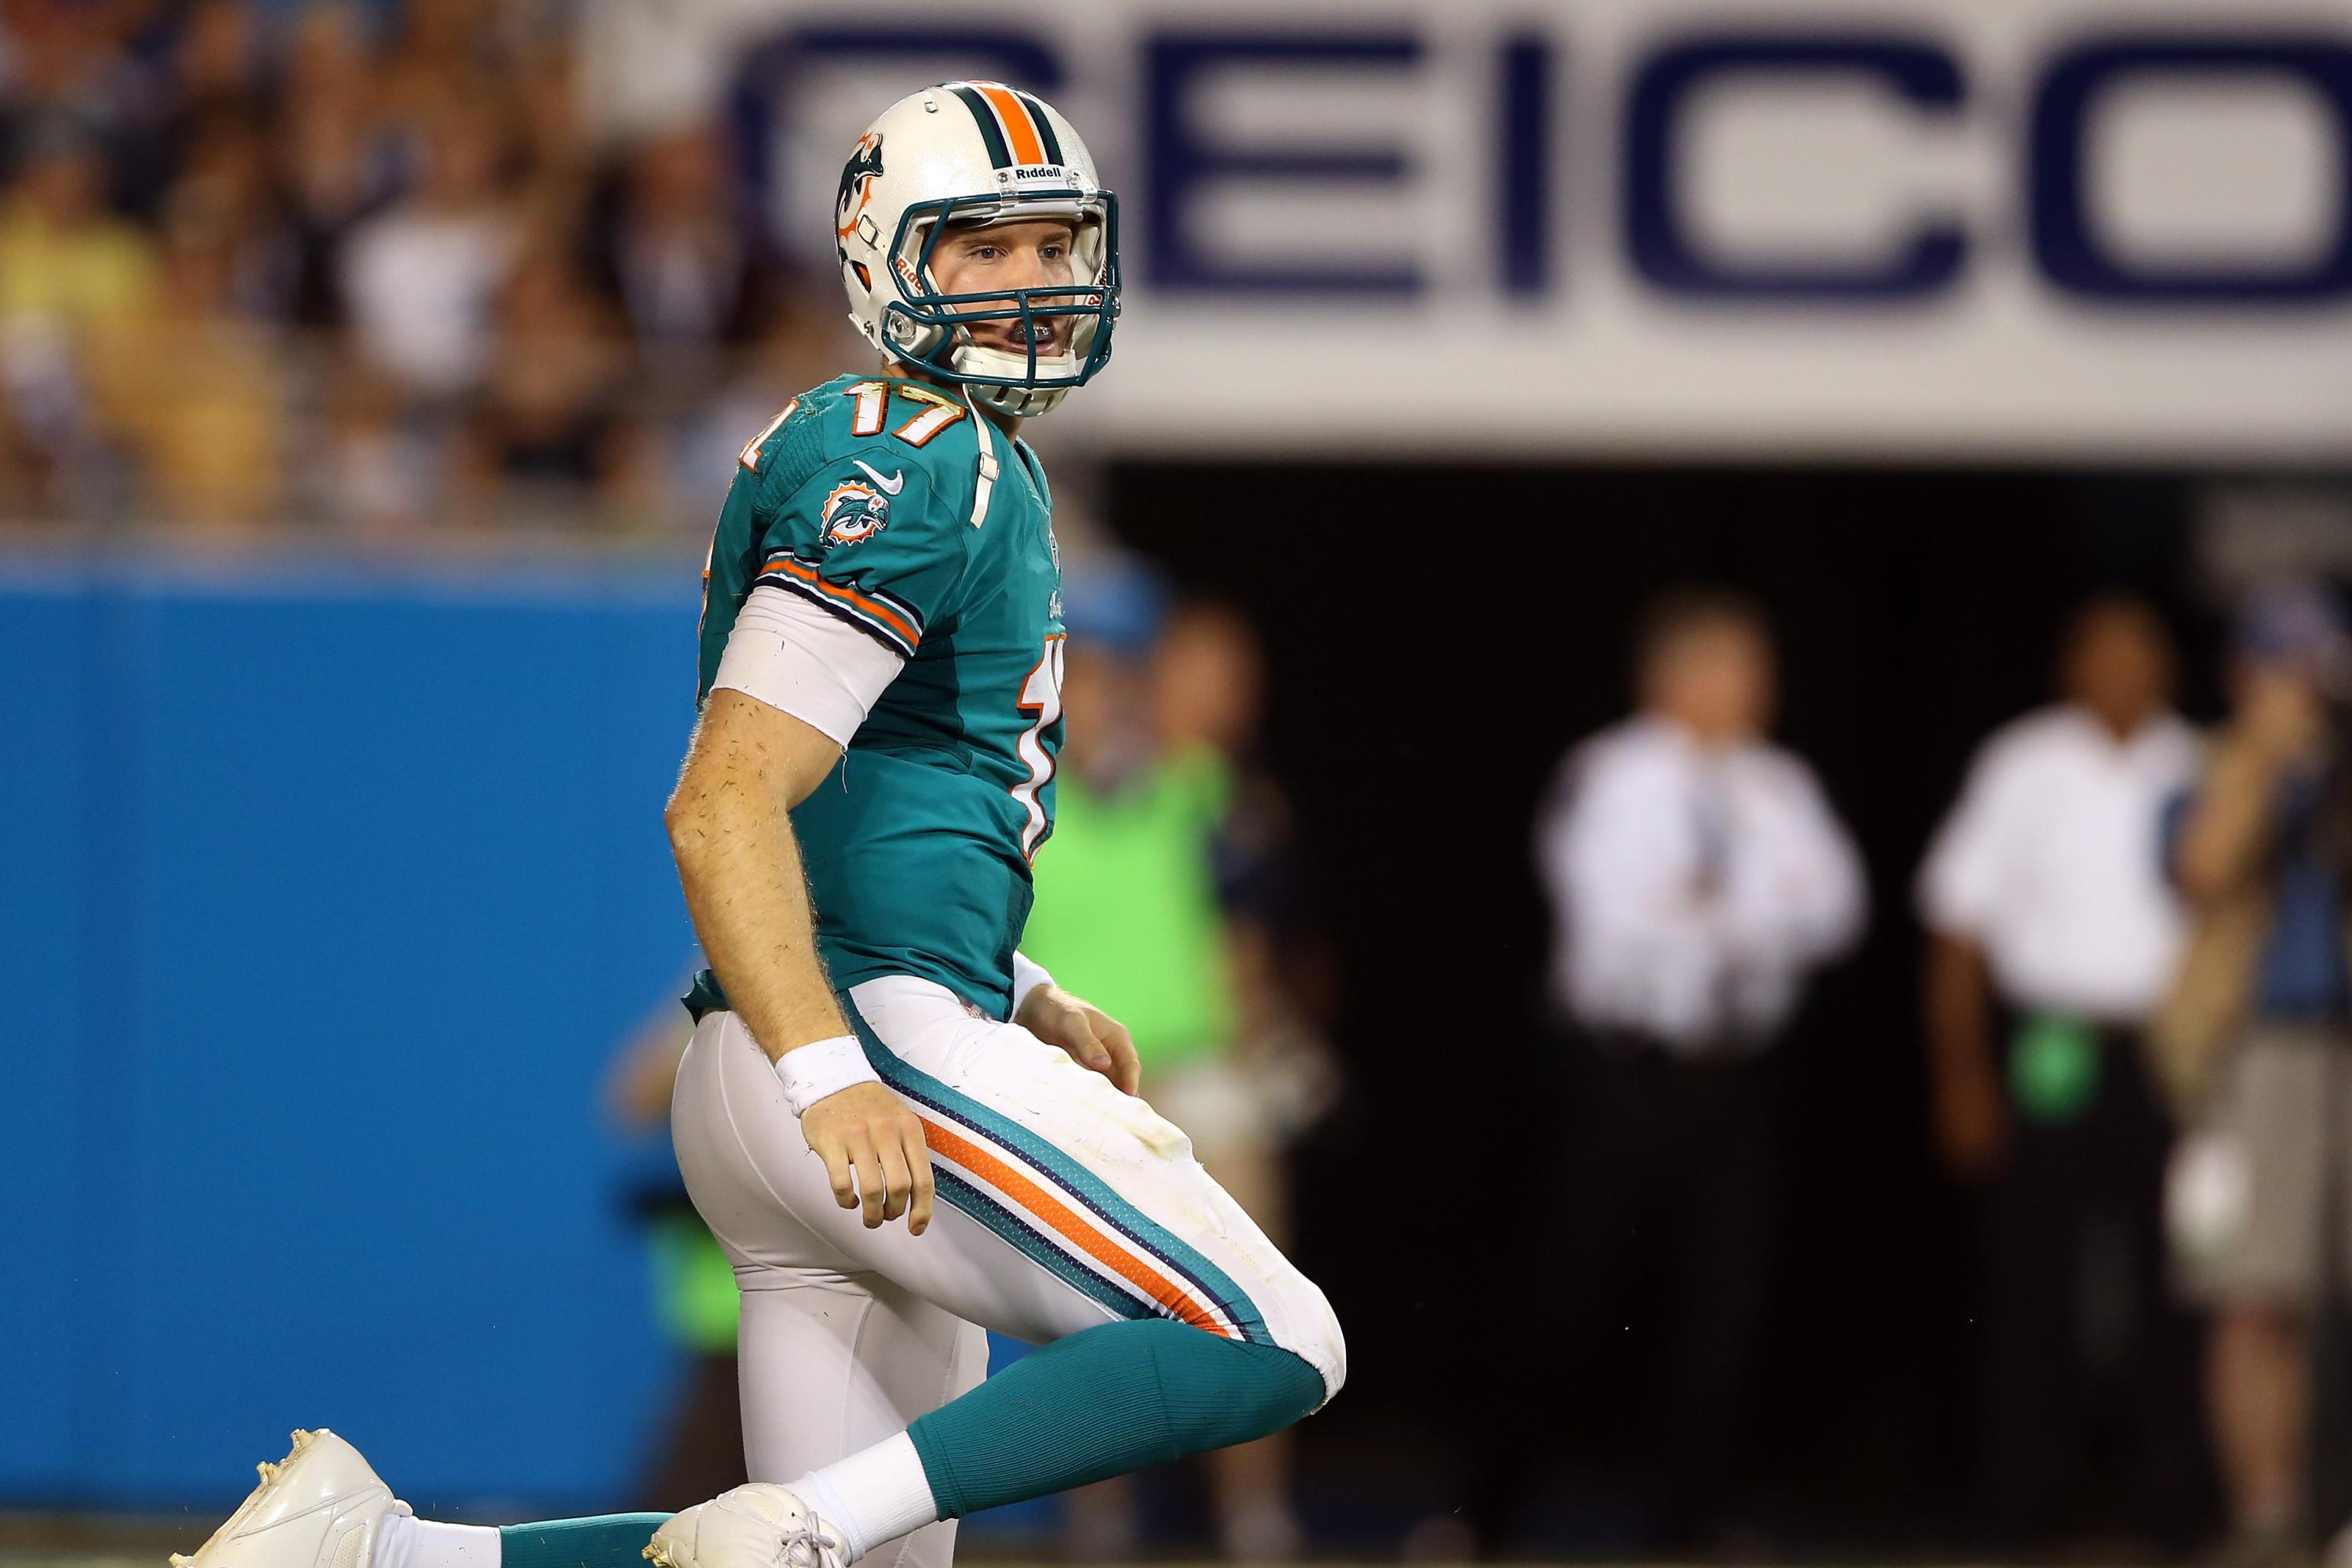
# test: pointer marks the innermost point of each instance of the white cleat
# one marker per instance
(759, 1526)
(319, 1507)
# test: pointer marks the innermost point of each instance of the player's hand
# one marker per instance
(874, 1154)
(1096, 1040)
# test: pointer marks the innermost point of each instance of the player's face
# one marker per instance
(998, 258)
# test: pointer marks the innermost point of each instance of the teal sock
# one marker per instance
(607, 1541)
(1102, 1403)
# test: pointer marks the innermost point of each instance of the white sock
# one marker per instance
(405, 1543)
(876, 1495)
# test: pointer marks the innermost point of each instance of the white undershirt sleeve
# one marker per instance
(800, 658)
(1027, 975)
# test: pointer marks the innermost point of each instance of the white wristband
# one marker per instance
(822, 1068)
(1027, 975)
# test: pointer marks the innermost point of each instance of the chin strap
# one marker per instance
(987, 480)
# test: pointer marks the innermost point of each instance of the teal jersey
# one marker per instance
(860, 498)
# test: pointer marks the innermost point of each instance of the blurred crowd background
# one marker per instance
(371, 267)
(1798, 1006)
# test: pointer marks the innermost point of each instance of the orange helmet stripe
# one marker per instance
(1019, 131)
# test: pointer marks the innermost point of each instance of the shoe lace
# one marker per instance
(807, 1548)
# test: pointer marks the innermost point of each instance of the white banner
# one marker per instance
(1984, 229)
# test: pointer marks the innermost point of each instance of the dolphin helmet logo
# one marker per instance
(857, 177)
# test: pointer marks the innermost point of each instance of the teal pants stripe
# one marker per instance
(1090, 1190)
(1009, 1228)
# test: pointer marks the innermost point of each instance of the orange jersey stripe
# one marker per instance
(879, 611)
(1042, 1205)
(1018, 127)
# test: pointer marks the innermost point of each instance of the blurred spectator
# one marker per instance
(645, 63)
(65, 257)
(692, 285)
(2053, 936)
(68, 267)
(681, 262)
(2256, 1041)
(420, 280)
(217, 68)
(193, 389)
(701, 1451)
(73, 61)
(225, 172)
(1697, 877)
(1132, 913)
(333, 166)
(442, 50)
(554, 417)
(559, 157)
(1244, 1106)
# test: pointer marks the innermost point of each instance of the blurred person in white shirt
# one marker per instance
(2052, 935)
(420, 280)
(1697, 877)
(1695, 870)
(419, 286)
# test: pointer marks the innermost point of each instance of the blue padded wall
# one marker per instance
(328, 893)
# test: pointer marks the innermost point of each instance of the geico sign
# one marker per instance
(1182, 155)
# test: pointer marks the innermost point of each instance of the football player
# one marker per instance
(904, 1133)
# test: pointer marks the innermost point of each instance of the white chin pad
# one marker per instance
(1020, 402)
(973, 360)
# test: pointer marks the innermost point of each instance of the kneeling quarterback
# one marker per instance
(881, 680)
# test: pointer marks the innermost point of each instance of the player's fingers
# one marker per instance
(1127, 1065)
(1087, 1045)
(873, 1186)
(918, 1160)
(836, 1166)
(872, 1189)
(891, 1150)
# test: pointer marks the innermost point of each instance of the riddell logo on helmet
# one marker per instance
(857, 177)
(1052, 175)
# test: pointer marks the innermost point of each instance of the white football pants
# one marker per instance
(1062, 1203)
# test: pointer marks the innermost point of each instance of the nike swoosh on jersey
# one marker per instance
(890, 486)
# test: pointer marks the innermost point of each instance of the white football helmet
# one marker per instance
(976, 152)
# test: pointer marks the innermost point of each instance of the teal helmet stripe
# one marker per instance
(1044, 126)
(990, 133)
